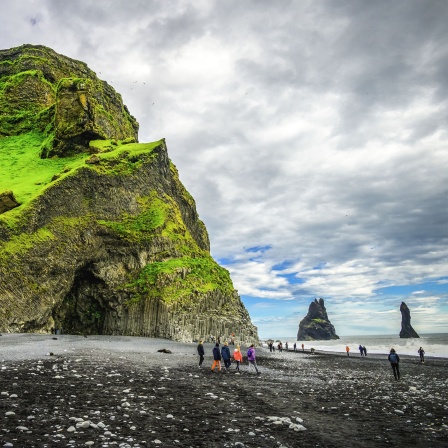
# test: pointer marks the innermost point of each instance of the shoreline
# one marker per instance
(15, 346)
(120, 391)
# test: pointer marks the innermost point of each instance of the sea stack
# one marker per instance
(406, 328)
(316, 326)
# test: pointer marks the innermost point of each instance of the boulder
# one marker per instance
(7, 201)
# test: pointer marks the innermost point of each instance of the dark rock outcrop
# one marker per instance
(7, 201)
(406, 328)
(109, 243)
(316, 326)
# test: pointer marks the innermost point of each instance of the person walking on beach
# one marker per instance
(303, 347)
(216, 358)
(421, 352)
(347, 349)
(394, 359)
(361, 351)
(286, 346)
(295, 346)
(225, 353)
(251, 358)
(201, 353)
(238, 357)
(364, 350)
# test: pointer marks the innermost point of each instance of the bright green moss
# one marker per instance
(23, 98)
(178, 279)
(22, 243)
(142, 226)
(24, 172)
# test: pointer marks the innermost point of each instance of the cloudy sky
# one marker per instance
(312, 134)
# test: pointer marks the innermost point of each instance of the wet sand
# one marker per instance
(119, 391)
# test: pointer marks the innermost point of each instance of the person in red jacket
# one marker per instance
(238, 357)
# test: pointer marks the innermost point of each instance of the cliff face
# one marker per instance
(104, 238)
(406, 328)
(61, 97)
(316, 326)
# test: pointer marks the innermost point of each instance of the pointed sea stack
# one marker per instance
(406, 328)
(316, 326)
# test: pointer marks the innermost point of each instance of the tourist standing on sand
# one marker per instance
(225, 353)
(421, 352)
(216, 358)
(286, 346)
(303, 347)
(251, 358)
(347, 349)
(364, 350)
(238, 357)
(361, 351)
(295, 346)
(394, 359)
(201, 353)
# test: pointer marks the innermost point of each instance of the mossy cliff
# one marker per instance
(101, 237)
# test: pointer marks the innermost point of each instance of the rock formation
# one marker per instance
(61, 97)
(406, 328)
(316, 326)
(102, 237)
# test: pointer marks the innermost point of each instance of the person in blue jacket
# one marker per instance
(216, 358)
(225, 353)
(394, 359)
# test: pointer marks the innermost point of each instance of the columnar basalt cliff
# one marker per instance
(406, 328)
(97, 233)
(316, 326)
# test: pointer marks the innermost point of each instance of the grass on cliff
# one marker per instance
(27, 175)
(23, 171)
(178, 279)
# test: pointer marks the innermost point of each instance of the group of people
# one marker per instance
(394, 360)
(280, 346)
(223, 354)
(362, 350)
(230, 340)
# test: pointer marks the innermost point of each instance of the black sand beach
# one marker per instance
(105, 391)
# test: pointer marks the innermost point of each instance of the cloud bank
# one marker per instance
(313, 136)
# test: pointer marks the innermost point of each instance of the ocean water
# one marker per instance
(433, 344)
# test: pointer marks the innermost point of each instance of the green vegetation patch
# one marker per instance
(23, 171)
(141, 227)
(319, 321)
(178, 279)
(27, 175)
(23, 243)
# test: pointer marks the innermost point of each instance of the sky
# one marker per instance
(312, 135)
